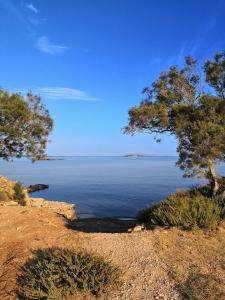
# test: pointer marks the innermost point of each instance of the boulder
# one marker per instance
(137, 228)
(37, 187)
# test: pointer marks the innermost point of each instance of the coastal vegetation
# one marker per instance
(60, 273)
(188, 210)
(177, 104)
(19, 193)
(25, 124)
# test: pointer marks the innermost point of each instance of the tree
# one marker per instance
(177, 104)
(25, 124)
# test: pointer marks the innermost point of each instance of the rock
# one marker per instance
(37, 187)
(137, 228)
(62, 208)
(34, 202)
(9, 203)
(7, 188)
(65, 209)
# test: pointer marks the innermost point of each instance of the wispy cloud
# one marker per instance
(32, 8)
(46, 46)
(62, 93)
(30, 22)
(17, 13)
(197, 46)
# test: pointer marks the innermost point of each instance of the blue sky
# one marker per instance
(90, 59)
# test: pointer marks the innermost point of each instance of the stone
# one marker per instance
(35, 202)
(9, 203)
(37, 187)
(62, 208)
(6, 187)
(137, 228)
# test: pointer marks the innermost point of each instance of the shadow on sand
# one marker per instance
(105, 225)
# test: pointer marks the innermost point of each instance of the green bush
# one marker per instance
(19, 193)
(221, 203)
(183, 210)
(222, 185)
(57, 273)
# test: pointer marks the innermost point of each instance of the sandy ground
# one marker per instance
(148, 258)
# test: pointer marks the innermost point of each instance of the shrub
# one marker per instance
(57, 273)
(19, 193)
(222, 185)
(221, 203)
(182, 210)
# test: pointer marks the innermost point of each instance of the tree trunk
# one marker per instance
(213, 177)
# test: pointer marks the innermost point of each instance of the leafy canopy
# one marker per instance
(177, 104)
(25, 124)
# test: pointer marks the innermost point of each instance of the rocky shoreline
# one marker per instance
(9, 197)
(61, 208)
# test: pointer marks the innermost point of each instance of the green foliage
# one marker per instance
(56, 273)
(222, 185)
(214, 71)
(24, 126)
(183, 210)
(19, 193)
(176, 104)
(220, 200)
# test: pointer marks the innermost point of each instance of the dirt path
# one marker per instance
(24, 229)
(145, 275)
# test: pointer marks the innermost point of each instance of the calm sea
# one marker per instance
(103, 186)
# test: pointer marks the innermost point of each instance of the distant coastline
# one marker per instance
(50, 158)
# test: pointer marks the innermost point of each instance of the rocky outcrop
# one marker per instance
(37, 187)
(8, 198)
(7, 189)
(62, 208)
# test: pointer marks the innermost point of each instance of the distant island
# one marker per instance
(134, 155)
(50, 158)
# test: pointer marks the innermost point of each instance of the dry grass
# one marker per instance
(195, 260)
